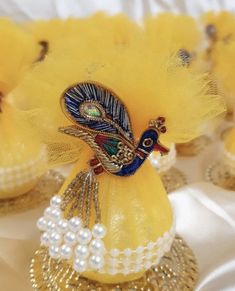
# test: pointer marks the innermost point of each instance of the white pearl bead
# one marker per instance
(99, 230)
(114, 252)
(66, 252)
(75, 224)
(84, 236)
(150, 246)
(54, 252)
(96, 262)
(47, 212)
(140, 250)
(112, 271)
(80, 265)
(42, 223)
(82, 251)
(51, 226)
(97, 246)
(45, 239)
(113, 262)
(126, 262)
(70, 238)
(55, 238)
(56, 201)
(55, 214)
(127, 252)
(62, 226)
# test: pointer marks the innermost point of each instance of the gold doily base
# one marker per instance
(177, 271)
(173, 179)
(47, 186)
(194, 147)
(220, 174)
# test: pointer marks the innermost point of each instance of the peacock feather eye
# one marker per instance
(91, 110)
(148, 142)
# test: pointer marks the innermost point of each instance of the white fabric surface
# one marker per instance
(205, 213)
(22, 10)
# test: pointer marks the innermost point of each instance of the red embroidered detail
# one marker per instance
(140, 154)
(98, 170)
(94, 162)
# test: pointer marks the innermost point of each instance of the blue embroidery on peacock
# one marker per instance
(101, 119)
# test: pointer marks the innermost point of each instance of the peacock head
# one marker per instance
(149, 140)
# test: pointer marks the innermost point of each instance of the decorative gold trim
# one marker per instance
(47, 186)
(173, 179)
(176, 271)
(220, 174)
(73, 130)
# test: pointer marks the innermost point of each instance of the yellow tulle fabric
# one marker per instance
(18, 52)
(223, 21)
(117, 29)
(222, 53)
(172, 31)
(134, 209)
(22, 155)
(150, 84)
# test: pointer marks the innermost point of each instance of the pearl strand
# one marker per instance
(68, 239)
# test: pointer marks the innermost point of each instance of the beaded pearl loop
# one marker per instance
(54, 252)
(47, 212)
(70, 238)
(80, 265)
(96, 246)
(96, 262)
(62, 226)
(55, 238)
(45, 239)
(56, 201)
(42, 224)
(66, 252)
(55, 214)
(82, 251)
(99, 230)
(51, 226)
(84, 236)
(75, 224)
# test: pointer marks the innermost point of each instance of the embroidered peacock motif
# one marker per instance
(102, 121)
